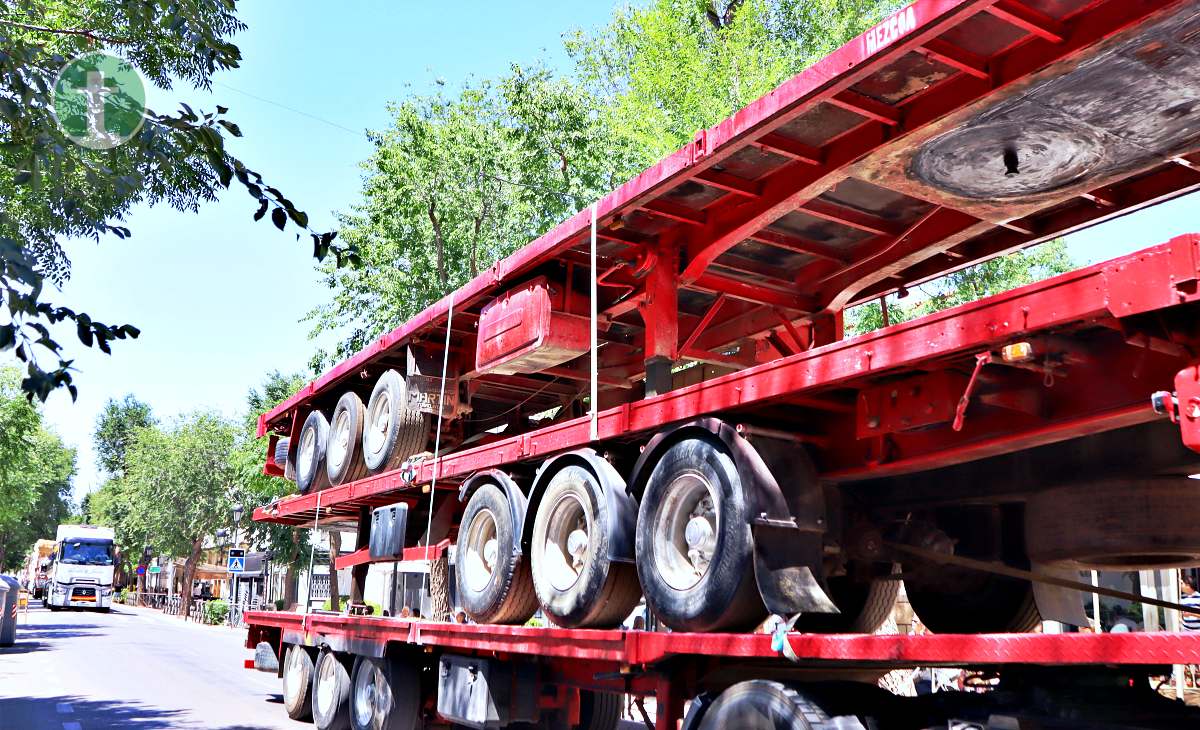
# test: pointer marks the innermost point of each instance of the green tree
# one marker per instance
(665, 69)
(458, 181)
(180, 483)
(52, 188)
(35, 474)
(115, 429)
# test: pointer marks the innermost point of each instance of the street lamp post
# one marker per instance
(236, 511)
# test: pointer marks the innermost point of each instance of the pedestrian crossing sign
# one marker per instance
(237, 561)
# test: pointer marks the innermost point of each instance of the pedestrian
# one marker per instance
(1189, 597)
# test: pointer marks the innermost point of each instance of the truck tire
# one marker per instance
(695, 552)
(576, 583)
(600, 710)
(494, 586)
(392, 431)
(385, 695)
(953, 600)
(864, 606)
(310, 459)
(1127, 524)
(759, 704)
(297, 682)
(281, 458)
(343, 451)
(330, 693)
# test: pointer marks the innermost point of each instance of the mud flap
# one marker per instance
(786, 565)
(1055, 603)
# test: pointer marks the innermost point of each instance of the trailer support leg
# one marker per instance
(658, 375)
(668, 705)
(358, 574)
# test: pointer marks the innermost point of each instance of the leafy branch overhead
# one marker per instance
(52, 189)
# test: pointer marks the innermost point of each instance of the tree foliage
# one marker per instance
(458, 181)
(668, 68)
(52, 188)
(984, 279)
(462, 179)
(116, 427)
(35, 474)
(179, 486)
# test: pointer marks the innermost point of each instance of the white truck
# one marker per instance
(81, 575)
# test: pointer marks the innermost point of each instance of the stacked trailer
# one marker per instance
(655, 401)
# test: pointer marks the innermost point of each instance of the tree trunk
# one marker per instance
(439, 241)
(439, 589)
(335, 547)
(290, 582)
(3, 550)
(189, 570)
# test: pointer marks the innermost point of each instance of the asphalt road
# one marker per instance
(133, 669)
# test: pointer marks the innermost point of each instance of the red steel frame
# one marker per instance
(1150, 280)
(817, 370)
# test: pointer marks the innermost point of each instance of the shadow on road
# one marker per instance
(20, 713)
(23, 647)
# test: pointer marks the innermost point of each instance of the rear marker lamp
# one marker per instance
(1017, 352)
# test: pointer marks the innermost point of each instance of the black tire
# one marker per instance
(759, 704)
(310, 454)
(952, 600)
(1127, 524)
(578, 591)
(506, 595)
(330, 693)
(864, 606)
(281, 458)
(343, 451)
(724, 596)
(297, 682)
(392, 431)
(385, 694)
(600, 710)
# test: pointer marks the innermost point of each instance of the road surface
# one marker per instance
(133, 669)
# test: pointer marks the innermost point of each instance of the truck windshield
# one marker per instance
(86, 552)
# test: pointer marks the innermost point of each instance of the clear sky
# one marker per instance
(219, 298)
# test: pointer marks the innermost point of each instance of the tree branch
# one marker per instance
(90, 35)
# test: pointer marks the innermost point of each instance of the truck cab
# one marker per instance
(81, 574)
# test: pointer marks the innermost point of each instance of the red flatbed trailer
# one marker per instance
(1036, 431)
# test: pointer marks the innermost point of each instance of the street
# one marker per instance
(132, 668)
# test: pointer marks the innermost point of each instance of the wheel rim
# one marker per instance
(338, 450)
(567, 545)
(685, 531)
(324, 698)
(308, 451)
(481, 550)
(295, 670)
(371, 697)
(378, 423)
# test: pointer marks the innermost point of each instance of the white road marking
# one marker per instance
(72, 726)
(64, 708)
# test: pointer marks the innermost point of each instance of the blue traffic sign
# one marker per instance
(237, 561)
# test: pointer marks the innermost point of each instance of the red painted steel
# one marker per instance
(526, 331)
(646, 648)
(412, 554)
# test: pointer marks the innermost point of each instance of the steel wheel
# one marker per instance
(567, 544)
(308, 451)
(685, 530)
(372, 697)
(331, 691)
(379, 421)
(339, 448)
(480, 551)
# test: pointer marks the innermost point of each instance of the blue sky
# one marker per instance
(219, 298)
